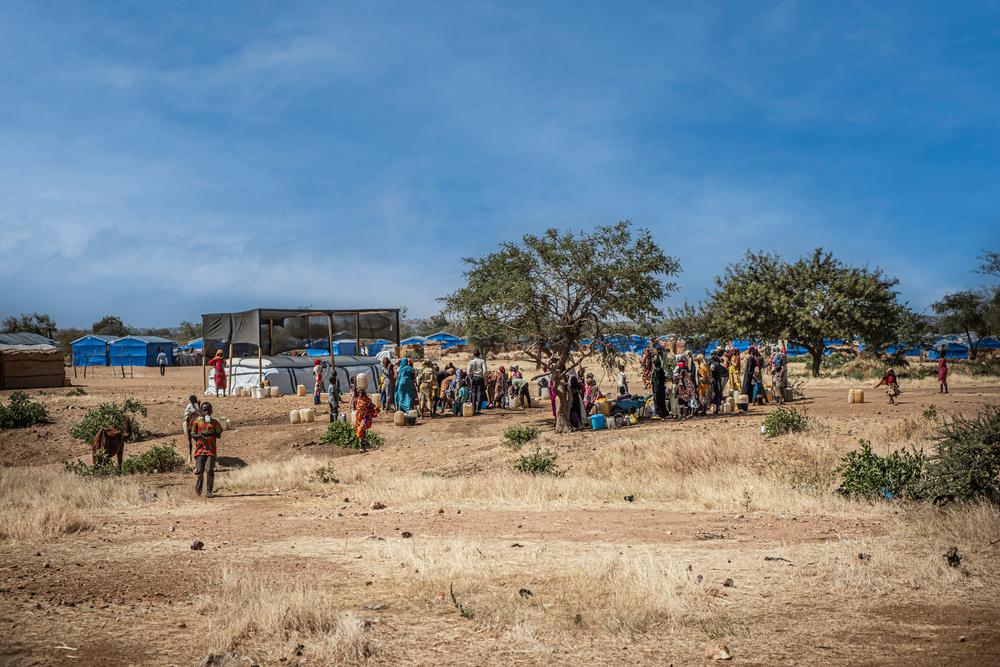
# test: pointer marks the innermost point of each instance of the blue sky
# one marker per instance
(160, 160)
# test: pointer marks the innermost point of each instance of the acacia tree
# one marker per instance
(805, 302)
(110, 325)
(966, 312)
(37, 323)
(553, 289)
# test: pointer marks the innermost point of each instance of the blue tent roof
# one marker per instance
(442, 335)
(413, 340)
(91, 350)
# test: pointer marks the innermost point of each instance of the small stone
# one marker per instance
(718, 652)
(954, 559)
(729, 583)
(630, 499)
(407, 534)
(864, 557)
(525, 593)
(961, 638)
(377, 506)
(197, 545)
(441, 511)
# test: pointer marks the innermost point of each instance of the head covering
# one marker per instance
(403, 362)
(218, 353)
(317, 362)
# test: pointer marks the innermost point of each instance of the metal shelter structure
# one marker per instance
(276, 330)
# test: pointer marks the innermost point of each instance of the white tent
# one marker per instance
(289, 372)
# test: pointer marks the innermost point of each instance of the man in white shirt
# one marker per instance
(477, 376)
(161, 361)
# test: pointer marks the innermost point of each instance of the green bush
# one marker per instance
(967, 464)
(109, 415)
(930, 412)
(989, 366)
(156, 459)
(22, 412)
(341, 434)
(77, 391)
(539, 463)
(104, 467)
(782, 420)
(517, 436)
(867, 475)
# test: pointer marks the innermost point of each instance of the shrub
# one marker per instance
(517, 436)
(158, 458)
(539, 463)
(104, 467)
(109, 415)
(930, 412)
(782, 420)
(22, 412)
(967, 465)
(341, 434)
(867, 475)
(77, 391)
(325, 475)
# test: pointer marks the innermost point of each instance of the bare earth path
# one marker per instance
(539, 575)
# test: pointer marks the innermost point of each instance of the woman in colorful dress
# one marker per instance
(218, 365)
(942, 375)
(892, 389)
(365, 410)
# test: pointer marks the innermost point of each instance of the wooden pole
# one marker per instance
(398, 352)
(260, 366)
(357, 333)
(204, 365)
(333, 362)
(229, 379)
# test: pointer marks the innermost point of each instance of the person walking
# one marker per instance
(388, 383)
(161, 361)
(206, 432)
(333, 396)
(218, 364)
(942, 374)
(364, 409)
(892, 389)
(477, 378)
(427, 383)
(191, 412)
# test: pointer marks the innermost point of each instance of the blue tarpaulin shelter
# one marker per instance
(91, 350)
(140, 351)
(413, 340)
(346, 347)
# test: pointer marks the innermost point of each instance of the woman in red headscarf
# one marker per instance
(218, 364)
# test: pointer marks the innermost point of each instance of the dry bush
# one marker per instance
(569, 588)
(43, 502)
(276, 476)
(265, 619)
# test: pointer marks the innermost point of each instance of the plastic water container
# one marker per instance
(609, 422)
(399, 418)
(361, 380)
(484, 405)
(307, 415)
(258, 392)
(850, 396)
(293, 417)
(377, 400)
(275, 392)
(302, 390)
(411, 418)
(859, 395)
(467, 409)
(598, 422)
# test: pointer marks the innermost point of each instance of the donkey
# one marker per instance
(112, 441)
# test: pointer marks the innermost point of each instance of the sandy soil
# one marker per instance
(132, 591)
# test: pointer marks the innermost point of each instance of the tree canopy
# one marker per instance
(968, 313)
(36, 323)
(551, 290)
(806, 301)
(110, 325)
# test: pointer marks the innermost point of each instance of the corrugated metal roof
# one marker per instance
(25, 339)
(149, 339)
(106, 339)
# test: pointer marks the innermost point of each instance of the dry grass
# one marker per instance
(45, 502)
(539, 592)
(265, 620)
(273, 476)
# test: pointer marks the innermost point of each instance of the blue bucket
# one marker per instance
(597, 422)
(484, 405)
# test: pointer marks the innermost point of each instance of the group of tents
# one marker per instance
(97, 350)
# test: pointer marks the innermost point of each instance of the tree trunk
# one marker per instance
(817, 360)
(972, 349)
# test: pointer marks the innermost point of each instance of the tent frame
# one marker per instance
(236, 325)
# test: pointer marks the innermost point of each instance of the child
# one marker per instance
(191, 412)
(365, 411)
(461, 397)
(891, 385)
(622, 381)
(206, 431)
(333, 397)
(591, 393)
(427, 383)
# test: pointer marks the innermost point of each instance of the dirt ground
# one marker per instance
(470, 563)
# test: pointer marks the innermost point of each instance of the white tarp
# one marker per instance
(288, 373)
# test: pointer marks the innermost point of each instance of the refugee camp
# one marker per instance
(499, 334)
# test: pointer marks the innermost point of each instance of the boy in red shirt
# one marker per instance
(206, 433)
